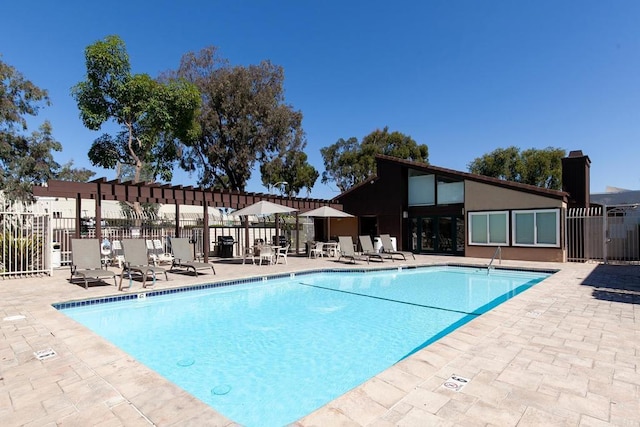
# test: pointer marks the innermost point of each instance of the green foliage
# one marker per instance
(18, 97)
(25, 159)
(244, 120)
(18, 253)
(348, 162)
(69, 173)
(542, 168)
(293, 169)
(148, 211)
(153, 115)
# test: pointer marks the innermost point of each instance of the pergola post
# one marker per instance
(205, 230)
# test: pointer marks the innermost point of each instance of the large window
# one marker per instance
(536, 228)
(488, 228)
(450, 192)
(422, 190)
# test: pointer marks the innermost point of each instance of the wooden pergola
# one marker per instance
(102, 189)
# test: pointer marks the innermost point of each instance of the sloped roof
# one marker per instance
(628, 197)
(450, 173)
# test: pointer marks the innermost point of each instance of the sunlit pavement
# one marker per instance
(565, 352)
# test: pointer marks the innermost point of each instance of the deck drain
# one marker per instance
(533, 314)
(455, 383)
(16, 317)
(221, 390)
(45, 354)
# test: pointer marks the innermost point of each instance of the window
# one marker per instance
(536, 228)
(450, 192)
(488, 228)
(422, 190)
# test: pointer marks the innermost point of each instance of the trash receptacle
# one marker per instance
(377, 244)
(56, 255)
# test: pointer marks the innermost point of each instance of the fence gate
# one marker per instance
(604, 234)
(25, 240)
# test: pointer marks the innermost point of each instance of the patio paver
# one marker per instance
(565, 352)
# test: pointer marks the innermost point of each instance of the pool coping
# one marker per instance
(143, 293)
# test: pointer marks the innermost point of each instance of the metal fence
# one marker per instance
(609, 234)
(25, 240)
(35, 241)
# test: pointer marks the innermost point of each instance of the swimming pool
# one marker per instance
(269, 352)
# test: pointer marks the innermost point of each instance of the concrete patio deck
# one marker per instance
(564, 353)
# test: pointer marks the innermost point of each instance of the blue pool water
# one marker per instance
(269, 352)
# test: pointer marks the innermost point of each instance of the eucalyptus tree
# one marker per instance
(293, 169)
(244, 121)
(539, 167)
(349, 162)
(27, 158)
(153, 115)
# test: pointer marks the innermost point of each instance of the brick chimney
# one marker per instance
(576, 178)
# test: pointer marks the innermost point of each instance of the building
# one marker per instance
(431, 209)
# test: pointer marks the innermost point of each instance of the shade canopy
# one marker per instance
(326, 212)
(263, 207)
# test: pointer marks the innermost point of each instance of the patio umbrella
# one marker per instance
(326, 212)
(262, 207)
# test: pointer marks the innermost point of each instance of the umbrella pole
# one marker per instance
(246, 232)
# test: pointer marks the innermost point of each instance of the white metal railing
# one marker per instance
(498, 252)
(25, 240)
(609, 234)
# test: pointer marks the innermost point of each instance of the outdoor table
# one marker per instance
(331, 248)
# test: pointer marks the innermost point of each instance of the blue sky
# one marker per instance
(463, 77)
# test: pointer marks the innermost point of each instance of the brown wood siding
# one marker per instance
(384, 198)
(484, 197)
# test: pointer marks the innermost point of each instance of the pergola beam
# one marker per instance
(102, 189)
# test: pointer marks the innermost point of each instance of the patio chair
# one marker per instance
(367, 248)
(160, 253)
(387, 248)
(87, 263)
(183, 256)
(281, 253)
(117, 253)
(346, 248)
(317, 250)
(266, 254)
(137, 261)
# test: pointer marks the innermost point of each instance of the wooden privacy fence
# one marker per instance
(609, 234)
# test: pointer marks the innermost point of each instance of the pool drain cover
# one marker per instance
(221, 390)
(455, 383)
(44, 354)
(186, 362)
